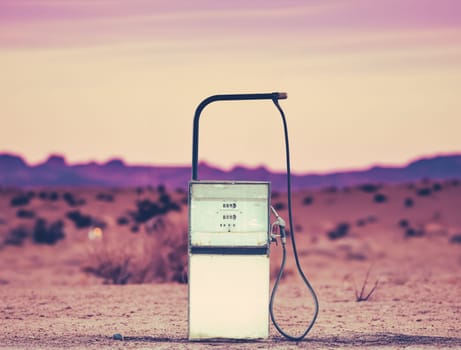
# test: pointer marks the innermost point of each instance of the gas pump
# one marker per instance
(229, 249)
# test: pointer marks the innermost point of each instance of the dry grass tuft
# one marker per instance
(362, 295)
(158, 253)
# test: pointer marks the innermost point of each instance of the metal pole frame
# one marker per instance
(274, 96)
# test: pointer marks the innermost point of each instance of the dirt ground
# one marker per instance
(423, 312)
(48, 301)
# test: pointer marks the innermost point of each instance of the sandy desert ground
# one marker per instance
(407, 236)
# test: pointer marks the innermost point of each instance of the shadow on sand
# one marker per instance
(387, 339)
(362, 340)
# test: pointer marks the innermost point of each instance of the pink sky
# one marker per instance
(368, 81)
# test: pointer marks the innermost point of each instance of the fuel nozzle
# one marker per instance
(281, 224)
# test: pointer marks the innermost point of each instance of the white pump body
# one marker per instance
(229, 265)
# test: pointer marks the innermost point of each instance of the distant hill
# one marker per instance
(55, 171)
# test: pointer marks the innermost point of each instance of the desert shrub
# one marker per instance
(173, 239)
(146, 209)
(360, 222)
(371, 219)
(279, 206)
(436, 187)
(455, 183)
(156, 225)
(436, 215)
(20, 200)
(167, 203)
(404, 223)
(368, 188)
(275, 194)
(179, 190)
(358, 256)
(426, 180)
(113, 268)
(456, 239)
(80, 220)
(98, 223)
(424, 192)
(308, 200)
(380, 198)
(16, 236)
(43, 195)
(143, 258)
(105, 197)
(330, 189)
(53, 196)
(340, 231)
(71, 200)
(165, 200)
(123, 220)
(176, 260)
(411, 232)
(287, 232)
(172, 206)
(48, 196)
(161, 189)
(48, 234)
(139, 191)
(360, 294)
(408, 202)
(25, 214)
(134, 229)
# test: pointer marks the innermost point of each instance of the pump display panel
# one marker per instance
(229, 214)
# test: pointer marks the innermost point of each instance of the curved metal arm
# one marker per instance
(274, 96)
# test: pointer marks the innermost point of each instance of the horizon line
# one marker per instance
(225, 169)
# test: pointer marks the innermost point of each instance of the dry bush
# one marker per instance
(369, 188)
(404, 223)
(413, 232)
(424, 192)
(409, 202)
(158, 253)
(340, 231)
(308, 200)
(25, 214)
(279, 206)
(119, 262)
(16, 236)
(72, 201)
(51, 196)
(105, 197)
(42, 232)
(20, 200)
(456, 239)
(380, 198)
(361, 295)
(45, 233)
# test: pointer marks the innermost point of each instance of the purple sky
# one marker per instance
(368, 81)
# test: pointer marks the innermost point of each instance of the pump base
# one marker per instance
(228, 297)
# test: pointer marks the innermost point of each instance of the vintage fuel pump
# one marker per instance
(229, 247)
